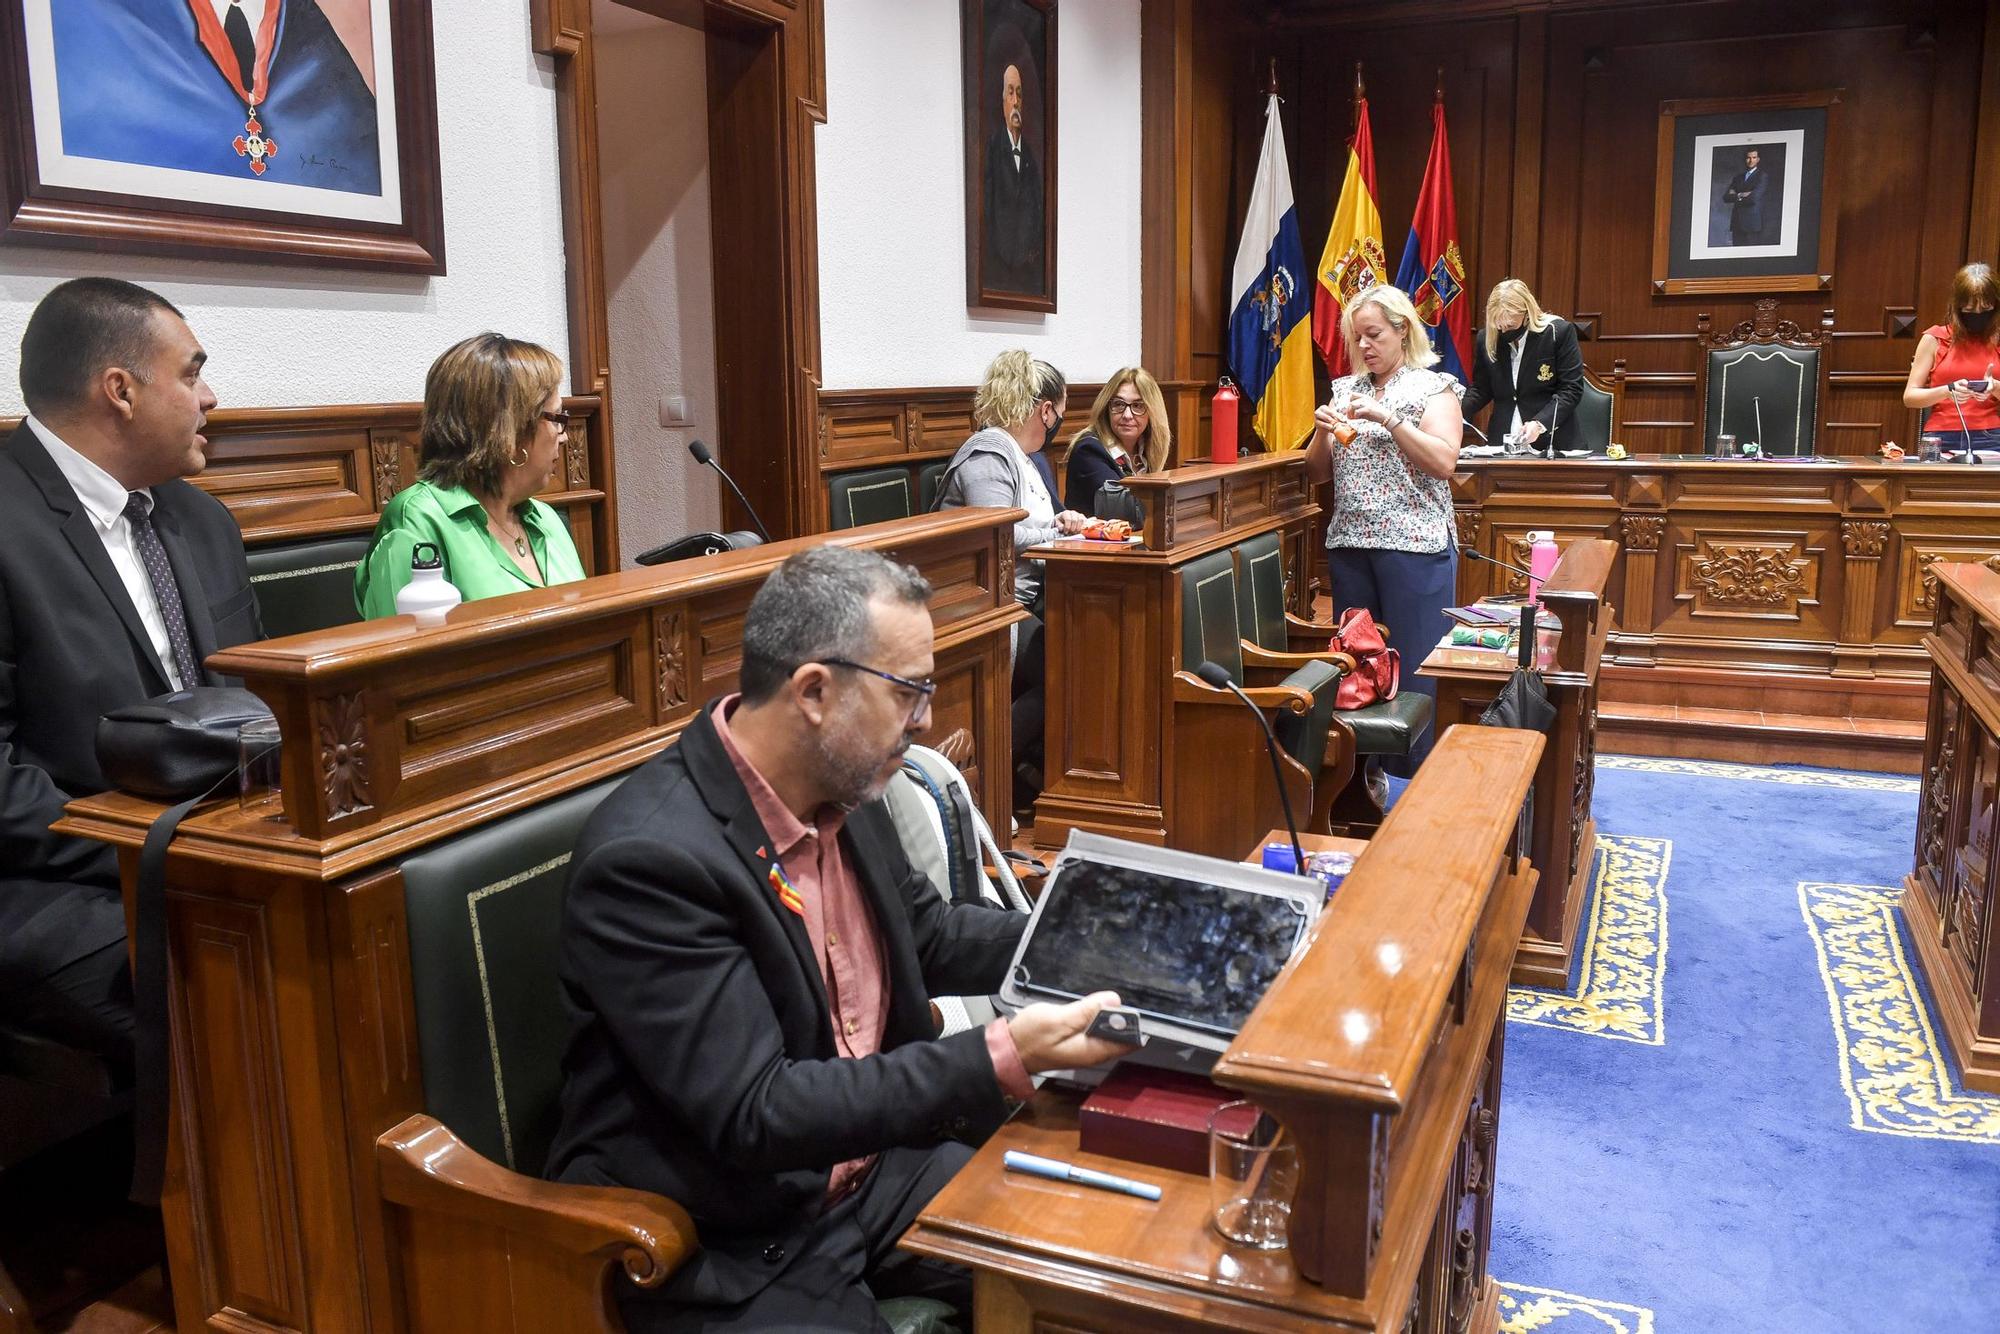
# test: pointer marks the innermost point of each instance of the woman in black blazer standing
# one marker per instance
(1128, 432)
(1525, 362)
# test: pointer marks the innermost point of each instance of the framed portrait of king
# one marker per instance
(1009, 54)
(284, 131)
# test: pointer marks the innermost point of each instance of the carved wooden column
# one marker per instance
(1864, 541)
(1642, 533)
(1474, 577)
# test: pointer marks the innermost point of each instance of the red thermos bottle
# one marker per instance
(1222, 425)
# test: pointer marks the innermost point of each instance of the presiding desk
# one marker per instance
(1114, 761)
(291, 1202)
(1564, 834)
(1798, 588)
(1380, 1049)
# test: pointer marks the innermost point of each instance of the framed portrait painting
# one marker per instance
(294, 131)
(1745, 199)
(1010, 152)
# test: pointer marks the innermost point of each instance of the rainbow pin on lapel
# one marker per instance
(783, 889)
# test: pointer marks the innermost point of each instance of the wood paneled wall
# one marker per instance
(1553, 112)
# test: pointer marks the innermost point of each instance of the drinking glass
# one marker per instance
(1725, 446)
(257, 770)
(1930, 448)
(1253, 1172)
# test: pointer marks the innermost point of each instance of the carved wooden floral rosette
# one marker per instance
(1748, 576)
(576, 463)
(1468, 526)
(343, 757)
(1642, 531)
(1864, 539)
(388, 476)
(670, 651)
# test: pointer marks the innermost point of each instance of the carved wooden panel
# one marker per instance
(1759, 575)
(670, 653)
(718, 629)
(1916, 586)
(861, 432)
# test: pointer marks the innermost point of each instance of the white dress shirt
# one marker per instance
(1515, 371)
(253, 10)
(104, 501)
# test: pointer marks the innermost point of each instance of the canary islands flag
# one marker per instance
(1354, 259)
(1270, 343)
(1432, 271)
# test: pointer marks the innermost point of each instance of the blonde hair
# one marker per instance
(1014, 383)
(1402, 317)
(1512, 294)
(1159, 439)
(482, 401)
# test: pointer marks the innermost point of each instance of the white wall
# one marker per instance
(280, 335)
(891, 167)
(659, 268)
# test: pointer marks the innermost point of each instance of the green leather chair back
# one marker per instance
(930, 480)
(485, 914)
(1590, 428)
(1210, 627)
(304, 586)
(875, 496)
(1774, 384)
(1260, 592)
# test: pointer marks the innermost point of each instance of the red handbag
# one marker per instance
(1378, 669)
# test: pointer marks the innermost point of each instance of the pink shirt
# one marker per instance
(841, 927)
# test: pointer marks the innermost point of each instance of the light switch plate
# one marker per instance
(674, 411)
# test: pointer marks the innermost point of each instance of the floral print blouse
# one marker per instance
(1380, 498)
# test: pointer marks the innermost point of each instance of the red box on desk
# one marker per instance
(1144, 1114)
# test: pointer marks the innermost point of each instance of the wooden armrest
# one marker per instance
(1255, 655)
(425, 1167)
(1191, 689)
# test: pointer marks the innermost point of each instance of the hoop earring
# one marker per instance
(522, 460)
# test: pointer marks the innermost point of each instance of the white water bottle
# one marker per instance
(428, 595)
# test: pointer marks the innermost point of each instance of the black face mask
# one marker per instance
(1049, 435)
(1976, 321)
(1513, 335)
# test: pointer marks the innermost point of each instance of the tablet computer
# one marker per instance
(1189, 943)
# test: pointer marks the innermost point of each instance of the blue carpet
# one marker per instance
(1718, 1179)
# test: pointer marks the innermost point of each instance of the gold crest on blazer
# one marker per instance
(1545, 374)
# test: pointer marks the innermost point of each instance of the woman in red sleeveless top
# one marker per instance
(1952, 373)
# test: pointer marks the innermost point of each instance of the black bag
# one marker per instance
(178, 747)
(1114, 501)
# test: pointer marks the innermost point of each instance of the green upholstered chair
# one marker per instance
(1391, 727)
(303, 586)
(874, 496)
(484, 914)
(1596, 422)
(930, 480)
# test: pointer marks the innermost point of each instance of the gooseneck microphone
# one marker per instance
(1505, 565)
(1214, 674)
(703, 455)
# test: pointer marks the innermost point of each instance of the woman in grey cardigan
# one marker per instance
(1019, 408)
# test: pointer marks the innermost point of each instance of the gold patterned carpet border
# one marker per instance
(1891, 1065)
(1761, 773)
(1526, 1310)
(1620, 988)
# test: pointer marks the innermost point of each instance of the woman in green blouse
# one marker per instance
(493, 430)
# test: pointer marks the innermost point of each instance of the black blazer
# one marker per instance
(72, 648)
(1090, 467)
(701, 1061)
(1551, 380)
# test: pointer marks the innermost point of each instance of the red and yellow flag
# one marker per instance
(1353, 259)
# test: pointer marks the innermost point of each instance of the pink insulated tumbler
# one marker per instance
(1541, 559)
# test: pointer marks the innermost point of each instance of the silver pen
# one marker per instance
(1053, 1170)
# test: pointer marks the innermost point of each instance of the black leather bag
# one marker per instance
(177, 745)
(1113, 501)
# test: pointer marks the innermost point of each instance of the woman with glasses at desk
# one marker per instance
(1128, 433)
(1952, 374)
(492, 432)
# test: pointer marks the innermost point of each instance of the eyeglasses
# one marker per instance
(1125, 407)
(561, 419)
(924, 689)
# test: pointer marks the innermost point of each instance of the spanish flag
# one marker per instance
(1270, 343)
(1353, 260)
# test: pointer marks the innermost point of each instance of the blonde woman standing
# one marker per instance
(1128, 433)
(1389, 543)
(1526, 363)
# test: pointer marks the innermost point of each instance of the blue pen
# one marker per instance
(1055, 1171)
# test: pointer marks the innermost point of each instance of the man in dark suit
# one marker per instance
(1745, 197)
(117, 578)
(748, 960)
(1013, 199)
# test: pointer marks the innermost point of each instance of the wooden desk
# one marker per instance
(1952, 897)
(293, 1027)
(1113, 641)
(1758, 586)
(1380, 1048)
(1564, 834)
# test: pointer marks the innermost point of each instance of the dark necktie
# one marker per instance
(237, 29)
(166, 590)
